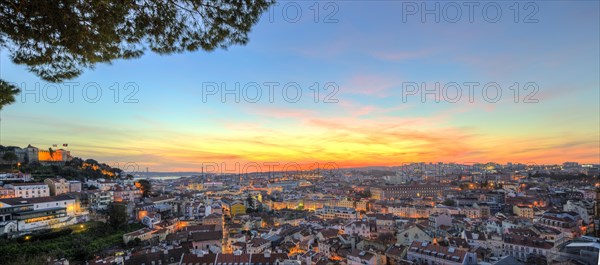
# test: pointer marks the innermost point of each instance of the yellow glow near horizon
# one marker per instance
(312, 142)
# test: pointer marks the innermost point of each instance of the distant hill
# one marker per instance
(76, 169)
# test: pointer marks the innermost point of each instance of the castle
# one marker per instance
(34, 154)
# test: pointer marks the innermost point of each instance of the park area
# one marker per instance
(79, 242)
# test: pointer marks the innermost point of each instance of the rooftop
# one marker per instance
(23, 201)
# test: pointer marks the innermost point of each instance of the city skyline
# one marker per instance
(173, 122)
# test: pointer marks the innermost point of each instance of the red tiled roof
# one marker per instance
(206, 236)
(191, 259)
(448, 253)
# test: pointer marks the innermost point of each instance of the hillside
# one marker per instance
(76, 169)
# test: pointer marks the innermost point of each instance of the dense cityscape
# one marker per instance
(415, 213)
(313, 132)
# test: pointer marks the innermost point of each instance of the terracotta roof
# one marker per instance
(458, 242)
(28, 184)
(257, 242)
(145, 257)
(161, 198)
(527, 241)
(191, 259)
(475, 236)
(395, 250)
(265, 258)
(239, 244)
(441, 252)
(329, 233)
(361, 254)
(206, 236)
(22, 201)
(199, 228)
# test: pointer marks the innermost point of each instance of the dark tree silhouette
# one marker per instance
(10, 157)
(117, 215)
(7, 93)
(386, 238)
(145, 186)
(449, 202)
(57, 40)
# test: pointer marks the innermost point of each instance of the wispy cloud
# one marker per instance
(397, 56)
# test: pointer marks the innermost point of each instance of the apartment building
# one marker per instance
(29, 190)
(428, 253)
(522, 246)
(328, 212)
(393, 192)
(27, 214)
(57, 186)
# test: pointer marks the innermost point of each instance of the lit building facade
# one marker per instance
(30, 214)
(408, 191)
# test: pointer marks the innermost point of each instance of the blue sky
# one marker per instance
(369, 53)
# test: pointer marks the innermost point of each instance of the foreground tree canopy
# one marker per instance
(7, 93)
(57, 40)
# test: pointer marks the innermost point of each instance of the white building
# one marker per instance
(101, 184)
(258, 245)
(521, 247)
(40, 212)
(74, 186)
(336, 212)
(361, 257)
(362, 228)
(437, 220)
(409, 234)
(99, 200)
(427, 253)
(29, 190)
(151, 219)
(581, 208)
(57, 186)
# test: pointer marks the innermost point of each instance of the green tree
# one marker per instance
(250, 202)
(117, 215)
(145, 186)
(484, 184)
(364, 194)
(56, 40)
(7, 93)
(386, 238)
(267, 220)
(10, 156)
(449, 202)
(81, 249)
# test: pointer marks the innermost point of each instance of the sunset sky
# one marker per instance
(369, 53)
